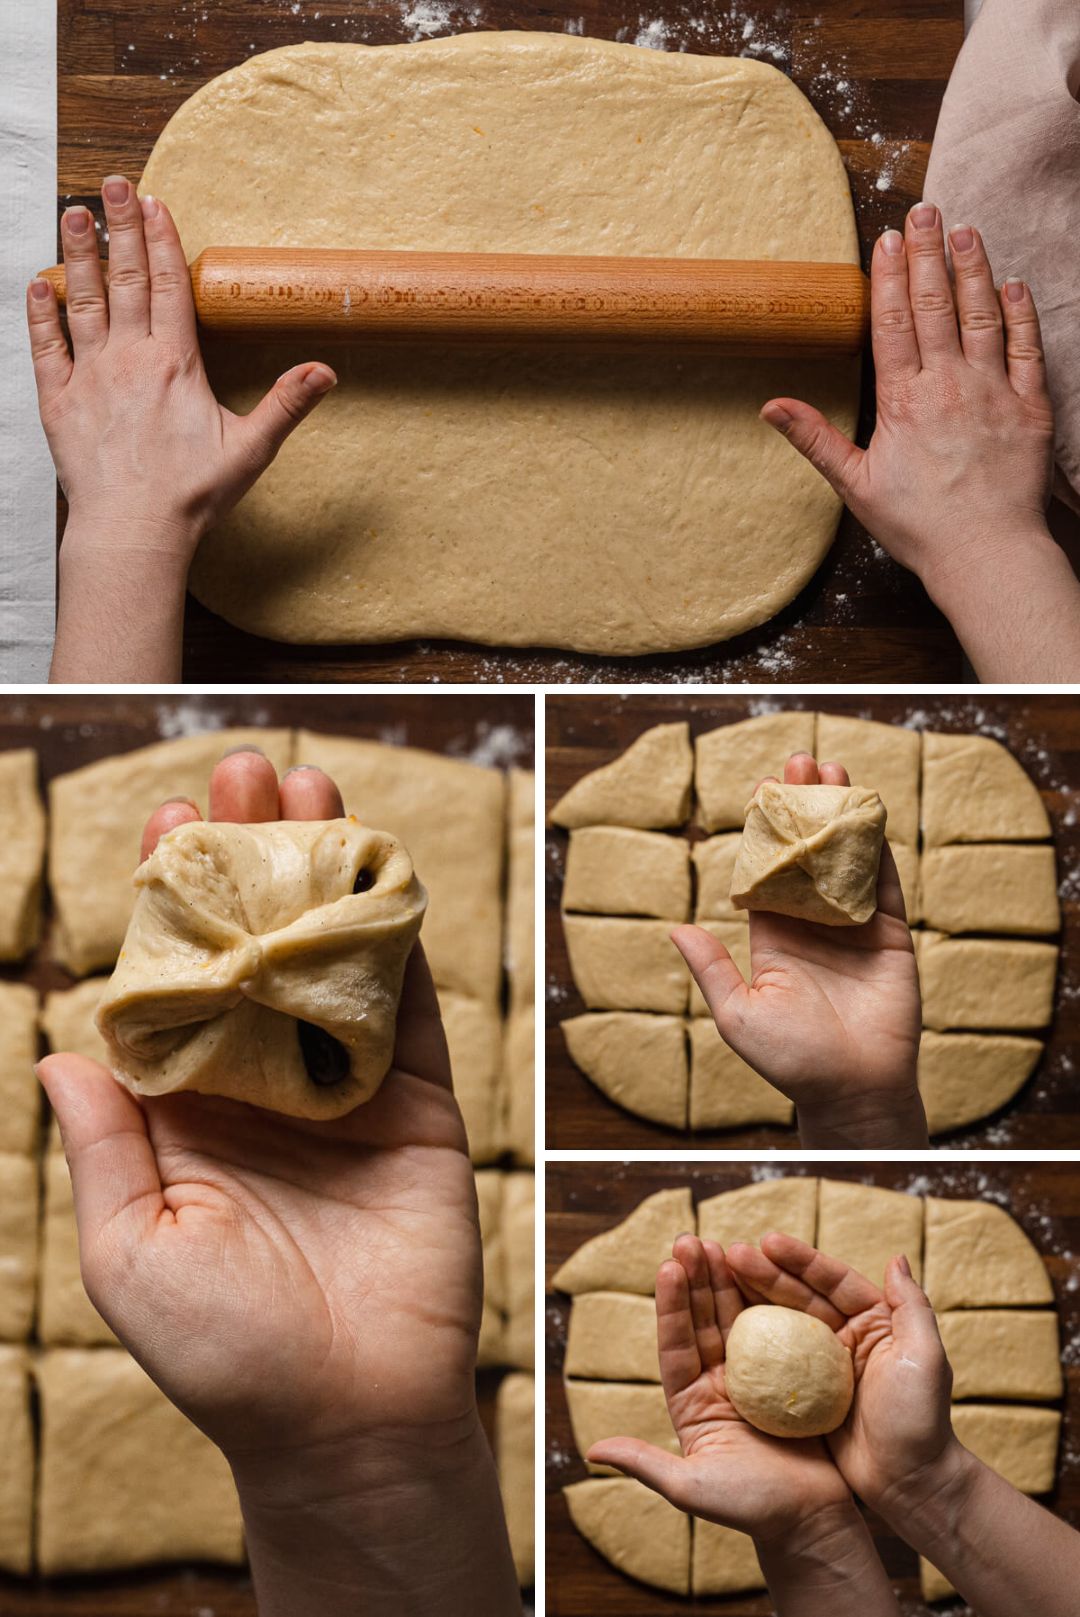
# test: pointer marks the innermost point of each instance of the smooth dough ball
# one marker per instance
(265, 962)
(787, 1373)
(811, 852)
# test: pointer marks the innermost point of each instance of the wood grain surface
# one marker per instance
(585, 1198)
(1043, 732)
(69, 731)
(874, 69)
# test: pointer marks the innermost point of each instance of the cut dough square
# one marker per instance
(633, 1528)
(66, 1316)
(600, 1409)
(724, 1091)
(986, 983)
(933, 1585)
(626, 1257)
(612, 1337)
(17, 1471)
(865, 1226)
(18, 1245)
(68, 1019)
(96, 821)
(1010, 1353)
(966, 1076)
(1017, 1441)
(731, 760)
(724, 1562)
(126, 1480)
(519, 1235)
(515, 1425)
(613, 870)
(883, 756)
(787, 1206)
(20, 1092)
(907, 868)
(735, 936)
(621, 965)
(975, 791)
(489, 1194)
(714, 862)
(22, 852)
(991, 887)
(474, 1037)
(977, 1256)
(519, 1044)
(521, 888)
(451, 816)
(636, 1058)
(647, 786)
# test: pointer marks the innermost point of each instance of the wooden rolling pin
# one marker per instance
(761, 309)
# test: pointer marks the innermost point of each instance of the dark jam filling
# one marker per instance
(364, 882)
(326, 1060)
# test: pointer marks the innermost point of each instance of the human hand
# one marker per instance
(832, 1014)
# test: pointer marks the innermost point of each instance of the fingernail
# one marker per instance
(892, 242)
(77, 221)
(924, 217)
(232, 751)
(39, 290)
(117, 190)
(298, 769)
(319, 380)
(150, 208)
(186, 800)
(1014, 290)
(903, 1265)
(962, 239)
(777, 417)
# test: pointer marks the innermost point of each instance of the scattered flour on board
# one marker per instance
(425, 18)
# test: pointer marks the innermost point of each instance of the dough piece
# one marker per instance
(724, 1562)
(966, 1076)
(20, 1092)
(811, 852)
(66, 1316)
(1003, 1353)
(974, 790)
(724, 1091)
(783, 1206)
(489, 1196)
(519, 1238)
(627, 1257)
(933, 1585)
(474, 1037)
(22, 853)
(865, 1226)
(714, 862)
(991, 888)
(647, 786)
(612, 870)
(521, 887)
(907, 868)
(735, 936)
(265, 962)
(633, 1528)
(96, 821)
(125, 1479)
(731, 761)
(977, 1256)
(884, 756)
(600, 1409)
(612, 1337)
(620, 965)
(986, 982)
(1017, 1441)
(519, 1061)
(18, 1245)
(518, 495)
(67, 1020)
(451, 816)
(515, 1424)
(638, 1060)
(17, 1472)
(788, 1373)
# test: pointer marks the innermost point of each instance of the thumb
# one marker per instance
(711, 967)
(824, 446)
(914, 1323)
(665, 1473)
(291, 399)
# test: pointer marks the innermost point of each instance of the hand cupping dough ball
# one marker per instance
(787, 1373)
(811, 852)
(265, 963)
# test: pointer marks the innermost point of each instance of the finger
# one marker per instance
(244, 788)
(666, 1474)
(420, 1047)
(676, 1339)
(892, 324)
(129, 274)
(833, 775)
(977, 302)
(801, 770)
(890, 895)
(1024, 356)
(823, 445)
(307, 794)
(87, 310)
(291, 399)
(172, 303)
(177, 811)
(847, 1290)
(932, 305)
(755, 1269)
(914, 1324)
(727, 1297)
(48, 346)
(690, 1252)
(712, 968)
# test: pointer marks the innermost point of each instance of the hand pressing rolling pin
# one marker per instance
(956, 479)
(308, 1293)
(831, 1015)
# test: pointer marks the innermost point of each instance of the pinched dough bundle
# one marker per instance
(811, 852)
(787, 1373)
(265, 962)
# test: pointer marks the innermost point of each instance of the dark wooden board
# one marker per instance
(876, 71)
(584, 1198)
(69, 731)
(584, 732)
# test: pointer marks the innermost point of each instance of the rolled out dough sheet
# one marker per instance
(623, 504)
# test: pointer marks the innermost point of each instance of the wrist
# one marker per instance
(882, 1120)
(133, 538)
(954, 578)
(927, 1505)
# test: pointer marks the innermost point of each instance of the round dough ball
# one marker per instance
(787, 1373)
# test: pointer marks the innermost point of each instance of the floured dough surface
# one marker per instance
(516, 496)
